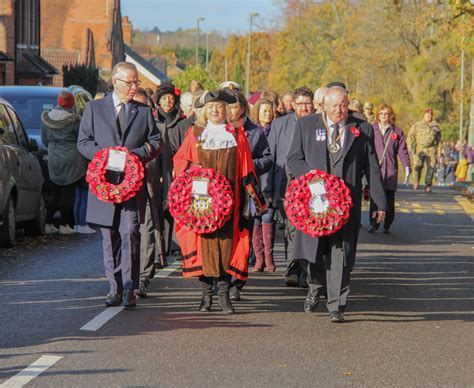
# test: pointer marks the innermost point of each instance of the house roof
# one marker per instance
(144, 67)
(33, 64)
(4, 57)
(60, 57)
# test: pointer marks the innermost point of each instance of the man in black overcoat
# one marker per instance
(341, 145)
(117, 120)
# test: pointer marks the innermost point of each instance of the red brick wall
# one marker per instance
(7, 36)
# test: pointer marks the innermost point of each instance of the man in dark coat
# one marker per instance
(277, 180)
(352, 155)
(117, 120)
(390, 145)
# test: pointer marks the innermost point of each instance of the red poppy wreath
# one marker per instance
(318, 203)
(109, 192)
(201, 200)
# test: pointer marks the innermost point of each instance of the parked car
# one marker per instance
(31, 101)
(21, 181)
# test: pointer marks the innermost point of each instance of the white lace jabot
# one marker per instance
(216, 137)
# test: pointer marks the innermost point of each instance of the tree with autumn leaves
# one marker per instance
(405, 53)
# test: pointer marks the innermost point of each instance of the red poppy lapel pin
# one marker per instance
(230, 128)
(355, 131)
(394, 136)
(177, 91)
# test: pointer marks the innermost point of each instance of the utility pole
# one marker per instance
(226, 78)
(199, 19)
(461, 107)
(207, 51)
(247, 70)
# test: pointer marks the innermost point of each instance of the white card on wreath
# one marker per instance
(317, 188)
(116, 161)
(200, 187)
(318, 204)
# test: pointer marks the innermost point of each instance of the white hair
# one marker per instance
(320, 94)
(186, 103)
(333, 91)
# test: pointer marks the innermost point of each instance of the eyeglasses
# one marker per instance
(303, 103)
(130, 83)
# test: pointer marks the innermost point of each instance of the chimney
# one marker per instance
(127, 31)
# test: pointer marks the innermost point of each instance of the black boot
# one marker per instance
(206, 287)
(224, 300)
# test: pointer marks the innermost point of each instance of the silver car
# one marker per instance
(21, 180)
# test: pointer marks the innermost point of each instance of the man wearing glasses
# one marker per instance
(118, 120)
(279, 140)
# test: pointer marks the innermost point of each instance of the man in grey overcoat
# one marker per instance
(341, 145)
(117, 120)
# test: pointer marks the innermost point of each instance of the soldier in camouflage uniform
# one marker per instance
(423, 143)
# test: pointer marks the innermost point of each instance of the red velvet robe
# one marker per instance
(245, 182)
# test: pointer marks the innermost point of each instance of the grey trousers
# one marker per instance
(329, 271)
(121, 245)
(149, 245)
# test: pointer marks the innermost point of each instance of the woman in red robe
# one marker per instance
(214, 143)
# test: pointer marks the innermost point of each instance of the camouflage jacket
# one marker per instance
(423, 135)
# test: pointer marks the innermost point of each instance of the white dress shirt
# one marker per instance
(342, 131)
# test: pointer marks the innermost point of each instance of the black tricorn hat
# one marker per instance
(166, 88)
(337, 83)
(217, 95)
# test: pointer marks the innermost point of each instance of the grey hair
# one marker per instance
(338, 89)
(123, 66)
(320, 94)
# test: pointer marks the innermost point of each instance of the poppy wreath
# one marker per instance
(201, 214)
(114, 193)
(327, 222)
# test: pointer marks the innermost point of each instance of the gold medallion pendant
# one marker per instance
(334, 148)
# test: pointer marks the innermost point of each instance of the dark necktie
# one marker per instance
(122, 118)
(335, 133)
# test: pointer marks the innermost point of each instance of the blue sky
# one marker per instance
(225, 16)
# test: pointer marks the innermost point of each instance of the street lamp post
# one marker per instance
(207, 51)
(247, 70)
(199, 19)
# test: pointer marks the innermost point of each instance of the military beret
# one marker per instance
(337, 83)
(216, 95)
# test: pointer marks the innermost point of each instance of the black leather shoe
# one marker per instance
(336, 316)
(372, 229)
(225, 304)
(129, 299)
(113, 300)
(141, 293)
(292, 280)
(310, 304)
(386, 230)
(206, 303)
(234, 293)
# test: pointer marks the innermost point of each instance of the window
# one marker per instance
(7, 132)
(18, 128)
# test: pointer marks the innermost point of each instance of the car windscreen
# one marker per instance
(29, 109)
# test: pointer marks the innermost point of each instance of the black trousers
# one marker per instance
(389, 215)
(330, 272)
(61, 198)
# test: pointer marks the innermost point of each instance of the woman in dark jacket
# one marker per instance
(261, 156)
(66, 166)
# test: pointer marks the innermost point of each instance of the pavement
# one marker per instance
(408, 322)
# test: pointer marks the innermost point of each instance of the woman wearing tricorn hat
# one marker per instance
(213, 143)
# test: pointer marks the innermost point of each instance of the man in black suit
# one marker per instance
(117, 120)
(341, 145)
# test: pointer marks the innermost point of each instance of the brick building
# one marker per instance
(85, 32)
(20, 59)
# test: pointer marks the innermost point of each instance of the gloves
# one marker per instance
(407, 175)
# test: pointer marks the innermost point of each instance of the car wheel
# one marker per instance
(36, 227)
(8, 228)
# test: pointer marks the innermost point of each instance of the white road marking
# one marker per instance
(29, 373)
(168, 270)
(110, 312)
(101, 319)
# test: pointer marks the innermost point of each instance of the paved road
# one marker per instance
(409, 318)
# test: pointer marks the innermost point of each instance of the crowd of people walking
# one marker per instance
(272, 141)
